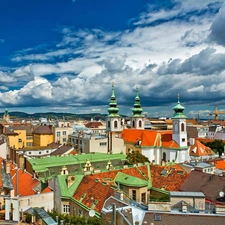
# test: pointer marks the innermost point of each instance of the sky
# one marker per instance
(63, 55)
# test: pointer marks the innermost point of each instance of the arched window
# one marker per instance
(140, 123)
(182, 127)
(108, 124)
(133, 123)
(115, 124)
(164, 156)
(175, 127)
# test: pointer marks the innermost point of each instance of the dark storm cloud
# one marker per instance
(218, 28)
(204, 63)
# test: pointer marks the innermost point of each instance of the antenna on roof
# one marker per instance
(91, 213)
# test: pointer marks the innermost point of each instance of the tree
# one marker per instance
(78, 220)
(136, 157)
(217, 146)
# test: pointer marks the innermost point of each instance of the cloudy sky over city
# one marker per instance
(63, 55)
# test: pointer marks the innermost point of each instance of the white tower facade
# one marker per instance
(179, 125)
(113, 120)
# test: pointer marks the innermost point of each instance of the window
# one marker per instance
(47, 151)
(29, 153)
(175, 127)
(39, 153)
(66, 209)
(164, 156)
(133, 123)
(20, 140)
(183, 139)
(64, 132)
(102, 143)
(29, 137)
(58, 133)
(157, 217)
(108, 124)
(80, 213)
(143, 197)
(28, 144)
(182, 127)
(115, 124)
(64, 139)
(140, 123)
(134, 195)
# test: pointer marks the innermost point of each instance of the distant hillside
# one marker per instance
(53, 115)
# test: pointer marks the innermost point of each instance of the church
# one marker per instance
(159, 146)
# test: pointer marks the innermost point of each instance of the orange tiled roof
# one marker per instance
(26, 183)
(220, 164)
(171, 181)
(150, 137)
(98, 186)
(198, 149)
(46, 190)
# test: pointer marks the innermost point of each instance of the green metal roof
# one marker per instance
(113, 109)
(128, 180)
(42, 164)
(178, 110)
(48, 220)
(65, 191)
(137, 110)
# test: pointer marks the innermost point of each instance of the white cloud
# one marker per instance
(163, 60)
(4, 88)
(196, 89)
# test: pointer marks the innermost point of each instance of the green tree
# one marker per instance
(135, 157)
(68, 219)
(217, 146)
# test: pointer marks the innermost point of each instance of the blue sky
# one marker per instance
(63, 55)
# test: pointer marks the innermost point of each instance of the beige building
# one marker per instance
(61, 133)
(87, 143)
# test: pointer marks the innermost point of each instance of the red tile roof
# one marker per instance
(199, 149)
(149, 137)
(171, 181)
(220, 164)
(26, 183)
(98, 186)
(93, 124)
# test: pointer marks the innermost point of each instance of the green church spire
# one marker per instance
(178, 110)
(137, 110)
(113, 110)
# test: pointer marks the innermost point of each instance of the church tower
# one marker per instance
(137, 119)
(6, 118)
(113, 120)
(179, 125)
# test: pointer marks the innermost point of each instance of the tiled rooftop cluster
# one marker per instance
(169, 178)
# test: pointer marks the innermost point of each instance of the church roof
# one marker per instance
(113, 109)
(178, 110)
(150, 138)
(137, 110)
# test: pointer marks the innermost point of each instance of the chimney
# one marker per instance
(192, 141)
(7, 166)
